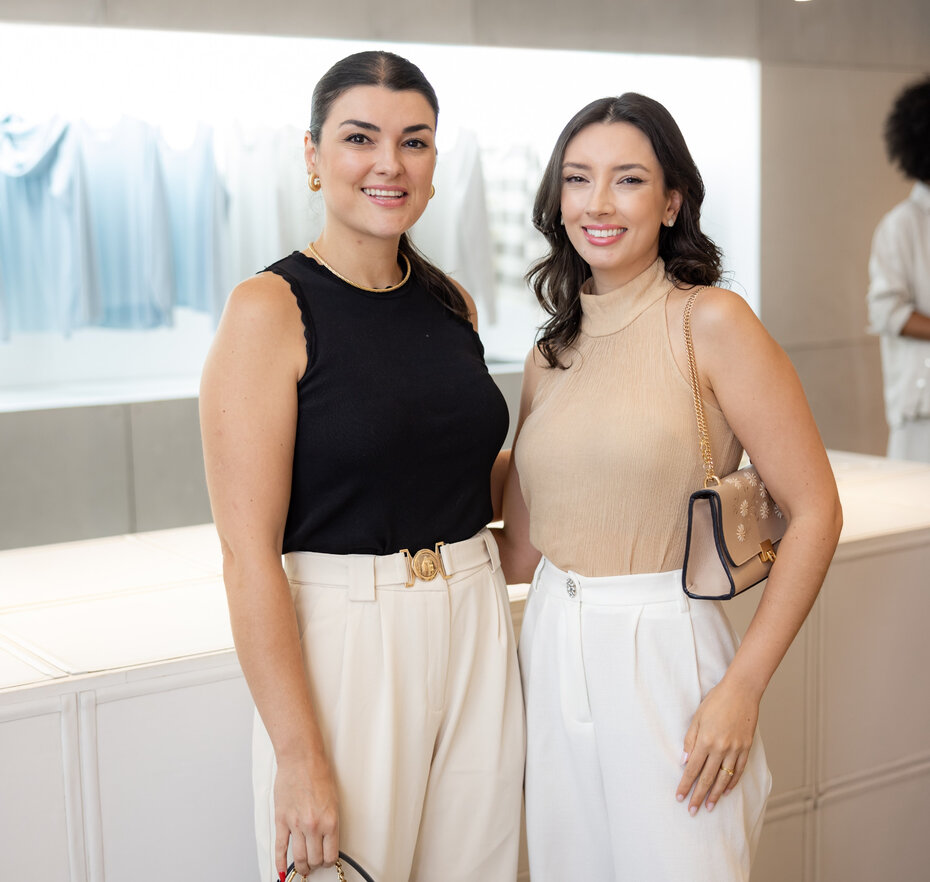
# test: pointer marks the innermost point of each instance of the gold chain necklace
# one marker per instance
(338, 275)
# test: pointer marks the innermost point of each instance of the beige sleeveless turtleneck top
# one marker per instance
(609, 452)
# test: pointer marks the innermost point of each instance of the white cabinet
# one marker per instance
(125, 723)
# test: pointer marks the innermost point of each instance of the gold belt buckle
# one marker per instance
(425, 565)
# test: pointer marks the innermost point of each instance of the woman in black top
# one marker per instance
(350, 423)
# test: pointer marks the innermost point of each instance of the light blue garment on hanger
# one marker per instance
(129, 224)
(197, 206)
(47, 267)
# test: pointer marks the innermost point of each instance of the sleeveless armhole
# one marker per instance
(306, 317)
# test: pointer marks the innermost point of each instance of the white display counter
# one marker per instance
(125, 721)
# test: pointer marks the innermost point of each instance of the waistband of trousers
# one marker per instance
(637, 589)
(363, 573)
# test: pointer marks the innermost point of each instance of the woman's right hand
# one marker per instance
(306, 812)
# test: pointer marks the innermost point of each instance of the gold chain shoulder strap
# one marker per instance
(709, 475)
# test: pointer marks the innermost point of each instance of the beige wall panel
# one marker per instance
(400, 20)
(786, 716)
(890, 33)
(843, 383)
(878, 834)
(875, 655)
(64, 474)
(825, 184)
(81, 12)
(169, 481)
(712, 27)
(781, 854)
(274, 17)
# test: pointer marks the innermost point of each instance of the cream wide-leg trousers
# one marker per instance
(417, 691)
(613, 670)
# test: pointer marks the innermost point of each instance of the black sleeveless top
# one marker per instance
(398, 420)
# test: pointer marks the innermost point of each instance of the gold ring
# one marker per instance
(730, 772)
(294, 875)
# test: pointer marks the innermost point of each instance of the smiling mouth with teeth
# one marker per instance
(605, 234)
(389, 194)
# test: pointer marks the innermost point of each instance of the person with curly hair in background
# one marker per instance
(899, 280)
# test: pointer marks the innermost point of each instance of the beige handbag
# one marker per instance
(734, 525)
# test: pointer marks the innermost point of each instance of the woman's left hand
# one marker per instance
(717, 743)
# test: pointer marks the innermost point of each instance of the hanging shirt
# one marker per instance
(454, 230)
(47, 267)
(129, 224)
(197, 205)
(271, 208)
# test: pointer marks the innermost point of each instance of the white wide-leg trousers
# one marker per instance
(418, 695)
(613, 670)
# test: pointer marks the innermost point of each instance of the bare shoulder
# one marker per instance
(534, 368)
(715, 309)
(261, 324)
(262, 300)
(720, 318)
(534, 363)
(469, 302)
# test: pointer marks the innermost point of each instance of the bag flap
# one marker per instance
(748, 514)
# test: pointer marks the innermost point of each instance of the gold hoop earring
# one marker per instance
(314, 182)
(432, 191)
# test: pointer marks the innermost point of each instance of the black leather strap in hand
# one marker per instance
(293, 875)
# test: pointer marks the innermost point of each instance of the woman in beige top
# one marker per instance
(642, 756)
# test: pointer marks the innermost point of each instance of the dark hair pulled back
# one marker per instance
(690, 257)
(380, 68)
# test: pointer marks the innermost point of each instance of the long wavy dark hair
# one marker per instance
(691, 258)
(379, 68)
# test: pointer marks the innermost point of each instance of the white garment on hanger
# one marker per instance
(453, 231)
(197, 205)
(129, 223)
(271, 209)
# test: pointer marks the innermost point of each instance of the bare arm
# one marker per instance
(518, 557)
(498, 478)
(248, 415)
(917, 326)
(755, 385)
(469, 303)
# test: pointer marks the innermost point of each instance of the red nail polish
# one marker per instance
(281, 875)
